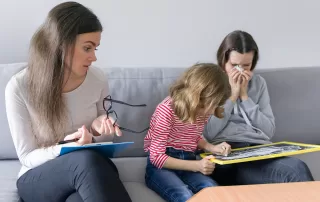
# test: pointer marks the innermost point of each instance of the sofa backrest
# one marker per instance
(294, 97)
(7, 150)
(138, 86)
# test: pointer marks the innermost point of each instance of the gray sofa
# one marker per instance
(294, 98)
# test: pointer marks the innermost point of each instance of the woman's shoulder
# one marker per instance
(17, 82)
(96, 78)
(97, 74)
(258, 80)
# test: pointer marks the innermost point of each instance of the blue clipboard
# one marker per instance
(106, 149)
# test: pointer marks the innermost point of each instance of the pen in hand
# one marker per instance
(67, 141)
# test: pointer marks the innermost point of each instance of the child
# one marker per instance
(175, 134)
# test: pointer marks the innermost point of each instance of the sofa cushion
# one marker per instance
(8, 178)
(131, 169)
(294, 98)
(138, 192)
(7, 150)
(138, 86)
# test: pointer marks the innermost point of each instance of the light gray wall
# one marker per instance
(177, 33)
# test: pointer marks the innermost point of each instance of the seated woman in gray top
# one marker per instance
(58, 97)
(248, 118)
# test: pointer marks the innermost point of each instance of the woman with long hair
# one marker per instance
(57, 97)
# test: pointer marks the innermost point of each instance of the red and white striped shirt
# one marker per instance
(167, 130)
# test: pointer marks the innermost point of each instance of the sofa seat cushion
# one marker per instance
(8, 178)
(140, 193)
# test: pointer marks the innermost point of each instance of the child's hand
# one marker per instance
(221, 149)
(205, 166)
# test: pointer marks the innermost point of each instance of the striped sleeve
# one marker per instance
(199, 138)
(160, 127)
(205, 121)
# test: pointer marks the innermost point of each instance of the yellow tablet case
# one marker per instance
(266, 151)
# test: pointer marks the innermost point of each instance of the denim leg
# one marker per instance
(225, 175)
(167, 184)
(196, 180)
(83, 175)
(278, 170)
(75, 197)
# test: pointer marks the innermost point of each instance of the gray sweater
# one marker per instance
(234, 126)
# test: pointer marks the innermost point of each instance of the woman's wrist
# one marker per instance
(244, 97)
(233, 99)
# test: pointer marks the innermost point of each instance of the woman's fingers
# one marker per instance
(246, 76)
(104, 130)
(73, 136)
(86, 137)
(110, 126)
(233, 73)
(118, 131)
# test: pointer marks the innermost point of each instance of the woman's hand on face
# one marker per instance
(234, 80)
(245, 78)
(83, 136)
(105, 126)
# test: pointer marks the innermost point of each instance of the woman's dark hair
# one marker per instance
(239, 41)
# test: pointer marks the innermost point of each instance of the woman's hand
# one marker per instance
(103, 126)
(83, 136)
(234, 80)
(245, 78)
(221, 149)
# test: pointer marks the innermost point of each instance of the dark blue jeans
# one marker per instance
(176, 185)
(278, 170)
(80, 176)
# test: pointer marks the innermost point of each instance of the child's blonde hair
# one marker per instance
(202, 86)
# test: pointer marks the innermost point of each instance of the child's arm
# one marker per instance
(220, 149)
(178, 164)
(160, 126)
(205, 166)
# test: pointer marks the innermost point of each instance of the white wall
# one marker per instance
(177, 33)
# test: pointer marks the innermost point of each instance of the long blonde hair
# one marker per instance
(47, 65)
(202, 86)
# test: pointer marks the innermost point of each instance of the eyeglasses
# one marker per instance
(107, 105)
